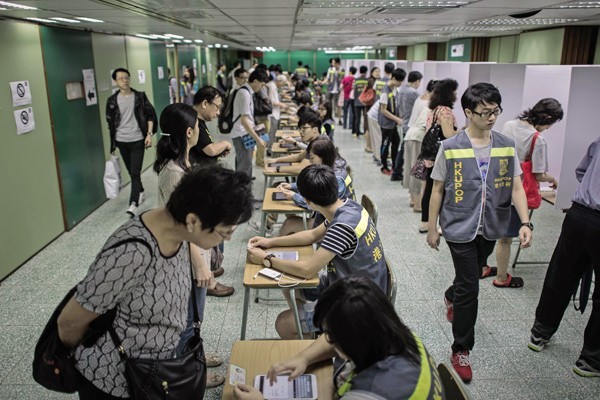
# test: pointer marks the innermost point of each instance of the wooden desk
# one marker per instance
(270, 173)
(254, 281)
(284, 207)
(256, 357)
(288, 132)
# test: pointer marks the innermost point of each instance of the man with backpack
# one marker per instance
(243, 131)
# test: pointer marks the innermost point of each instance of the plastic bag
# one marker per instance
(112, 177)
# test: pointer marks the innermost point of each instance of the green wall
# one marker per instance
(31, 211)
(442, 51)
(467, 50)
(138, 58)
(503, 49)
(160, 87)
(281, 57)
(77, 129)
(420, 52)
(540, 47)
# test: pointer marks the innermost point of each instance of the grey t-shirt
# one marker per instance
(243, 104)
(406, 98)
(522, 133)
(128, 129)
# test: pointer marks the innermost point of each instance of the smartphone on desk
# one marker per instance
(303, 387)
(279, 164)
(278, 196)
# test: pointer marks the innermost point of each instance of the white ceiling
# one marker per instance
(307, 24)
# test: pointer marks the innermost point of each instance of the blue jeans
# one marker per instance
(188, 333)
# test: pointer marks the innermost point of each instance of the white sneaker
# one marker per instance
(132, 210)
(141, 198)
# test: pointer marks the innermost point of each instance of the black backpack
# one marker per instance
(431, 141)
(226, 120)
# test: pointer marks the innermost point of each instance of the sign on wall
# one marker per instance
(457, 50)
(24, 120)
(89, 86)
(21, 94)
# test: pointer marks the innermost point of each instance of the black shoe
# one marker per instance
(395, 178)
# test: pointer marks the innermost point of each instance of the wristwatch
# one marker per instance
(267, 260)
(528, 224)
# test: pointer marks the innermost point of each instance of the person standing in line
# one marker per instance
(188, 86)
(378, 85)
(221, 79)
(243, 115)
(412, 146)
(441, 103)
(407, 95)
(522, 130)
(389, 119)
(577, 250)
(131, 122)
(360, 84)
(348, 111)
(334, 81)
(373, 135)
(273, 90)
(172, 87)
(476, 175)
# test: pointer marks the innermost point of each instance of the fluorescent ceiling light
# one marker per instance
(173, 36)
(71, 21)
(210, 46)
(42, 20)
(353, 21)
(176, 41)
(578, 4)
(170, 45)
(225, 46)
(199, 41)
(187, 41)
(141, 35)
(218, 45)
(344, 51)
(523, 21)
(86, 19)
(477, 28)
(15, 5)
(386, 4)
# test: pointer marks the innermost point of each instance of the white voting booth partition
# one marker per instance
(576, 88)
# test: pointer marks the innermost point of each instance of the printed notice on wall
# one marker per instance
(141, 77)
(161, 73)
(24, 120)
(89, 85)
(457, 50)
(203, 68)
(21, 95)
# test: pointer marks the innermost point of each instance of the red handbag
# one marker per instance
(530, 184)
(367, 97)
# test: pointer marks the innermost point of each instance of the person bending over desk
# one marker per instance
(376, 355)
(350, 246)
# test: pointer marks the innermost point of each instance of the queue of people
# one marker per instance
(466, 182)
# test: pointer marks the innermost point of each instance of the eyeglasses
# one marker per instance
(216, 105)
(123, 78)
(488, 114)
(305, 127)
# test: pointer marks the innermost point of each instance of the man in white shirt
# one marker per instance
(243, 131)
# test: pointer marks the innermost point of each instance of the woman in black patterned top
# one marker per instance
(149, 283)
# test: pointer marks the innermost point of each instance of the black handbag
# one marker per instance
(431, 141)
(262, 105)
(53, 364)
(183, 377)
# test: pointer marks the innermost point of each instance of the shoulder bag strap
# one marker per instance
(535, 136)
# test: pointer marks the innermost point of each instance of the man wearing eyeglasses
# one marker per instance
(476, 175)
(132, 122)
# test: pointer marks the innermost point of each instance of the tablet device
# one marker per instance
(279, 164)
(288, 145)
(278, 196)
(286, 255)
(303, 387)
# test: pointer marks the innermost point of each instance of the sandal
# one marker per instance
(214, 379)
(511, 282)
(488, 271)
(213, 360)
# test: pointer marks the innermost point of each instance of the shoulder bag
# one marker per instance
(183, 377)
(262, 105)
(367, 97)
(53, 363)
(432, 139)
(530, 184)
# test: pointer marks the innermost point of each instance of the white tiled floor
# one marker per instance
(503, 366)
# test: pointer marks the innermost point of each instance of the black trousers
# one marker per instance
(358, 112)
(426, 195)
(389, 137)
(399, 160)
(578, 247)
(87, 391)
(133, 157)
(468, 258)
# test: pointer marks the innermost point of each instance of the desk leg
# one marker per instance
(304, 221)
(263, 224)
(245, 312)
(296, 314)
(515, 262)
